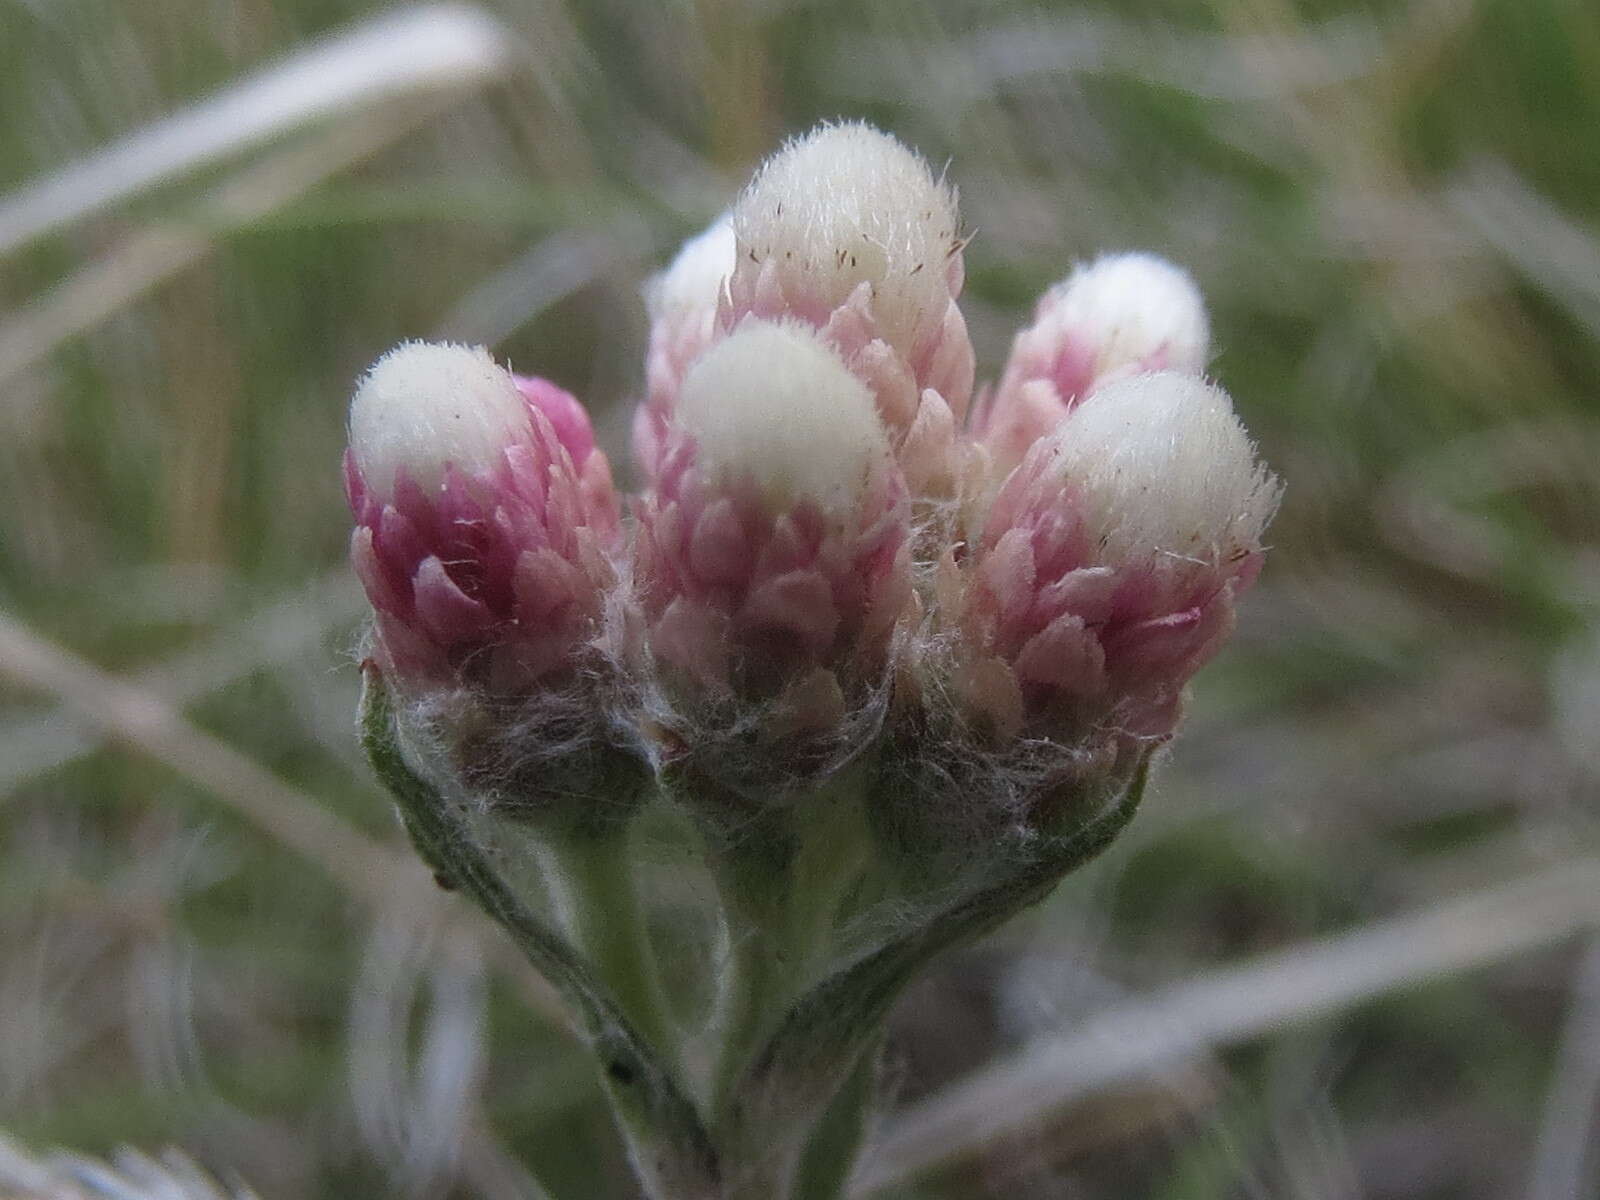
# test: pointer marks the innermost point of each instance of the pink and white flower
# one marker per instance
(485, 518)
(771, 556)
(1123, 314)
(1109, 566)
(1075, 557)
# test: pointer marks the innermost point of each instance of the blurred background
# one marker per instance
(1350, 948)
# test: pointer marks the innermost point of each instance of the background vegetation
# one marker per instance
(1349, 949)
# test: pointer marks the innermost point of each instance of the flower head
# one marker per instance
(1118, 315)
(847, 205)
(771, 554)
(483, 517)
(1108, 568)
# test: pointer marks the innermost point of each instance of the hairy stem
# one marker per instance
(669, 1147)
(828, 1031)
(596, 891)
(754, 978)
(782, 884)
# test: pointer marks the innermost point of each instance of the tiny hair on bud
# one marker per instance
(1162, 466)
(425, 406)
(694, 279)
(1133, 309)
(847, 203)
(772, 403)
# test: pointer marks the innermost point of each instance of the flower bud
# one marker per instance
(771, 556)
(683, 303)
(483, 515)
(1121, 314)
(848, 231)
(1107, 571)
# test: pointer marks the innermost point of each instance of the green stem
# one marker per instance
(774, 1152)
(754, 979)
(780, 950)
(833, 853)
(782, 886)
(596, 890)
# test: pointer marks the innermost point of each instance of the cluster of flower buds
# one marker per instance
(835, 570)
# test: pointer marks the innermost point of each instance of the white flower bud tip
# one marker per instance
(848, 203)
(695, 277)
(1133, 309)
(771, 402)
(424, 406)
(1162, 466)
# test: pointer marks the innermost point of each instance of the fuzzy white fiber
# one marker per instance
(848, 203)
(773, 403)
(423, 406)
(1163, 467)
(695, 277)
(1130, 306)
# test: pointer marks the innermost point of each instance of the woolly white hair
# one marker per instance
(425, 405)
(847, 203)
(695, 277)
(1130, 306)
(773, 403)
(1164, 467)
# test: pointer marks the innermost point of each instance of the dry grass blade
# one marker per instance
(1562, 1167)
(442, 48)
(1032, 46)
(1551, 249)
(153, 255)
(130, 1176)
(1434, 509)
(139, 720)
(382, 878)
(550, 271)
(1136, 1040)
(265, 636)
